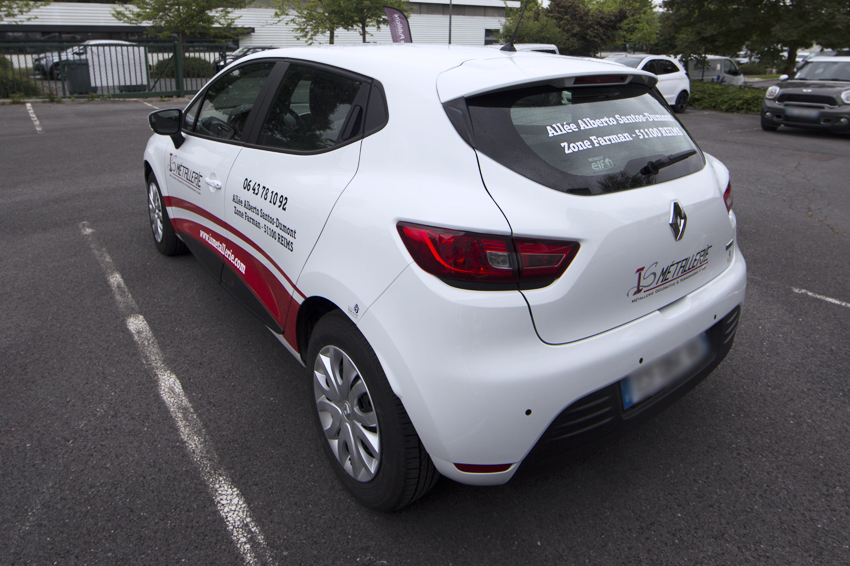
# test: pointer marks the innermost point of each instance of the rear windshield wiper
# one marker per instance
(653, 167)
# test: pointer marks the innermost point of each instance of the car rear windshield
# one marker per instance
(629, 61)
(586, 140)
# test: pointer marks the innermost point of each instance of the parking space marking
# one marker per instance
(821, 297)
(34, 119)
(231, 505)
(151, 105)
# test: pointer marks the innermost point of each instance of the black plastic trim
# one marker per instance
(599, 417)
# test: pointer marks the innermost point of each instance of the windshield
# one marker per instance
(824, 71)
(628, 61)
(583, 140)
(240, 51)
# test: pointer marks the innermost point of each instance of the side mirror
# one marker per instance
(167, 123)
(783, 78)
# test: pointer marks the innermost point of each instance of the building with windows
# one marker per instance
(473, 22)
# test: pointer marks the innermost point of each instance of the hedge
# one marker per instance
(713, 96)
(193, 68)
(15, 81)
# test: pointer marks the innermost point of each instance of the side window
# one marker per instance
(229, 101)
(310, 110)
(650, 67)
(665, 67)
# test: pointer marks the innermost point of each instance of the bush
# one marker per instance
(16, 82)
(713, 96)
(193, 68)
(754, 68)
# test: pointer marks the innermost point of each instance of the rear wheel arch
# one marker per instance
(309, 314)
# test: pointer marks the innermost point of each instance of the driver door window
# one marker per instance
(229, 101)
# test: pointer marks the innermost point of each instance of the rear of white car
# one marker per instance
(533, 250)
(485, 371)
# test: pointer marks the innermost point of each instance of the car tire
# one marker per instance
(388, 467)
(767, 126)
(164, 236)
(681, 103)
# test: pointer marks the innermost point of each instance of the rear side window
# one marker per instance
(585, 140)
(310, 109)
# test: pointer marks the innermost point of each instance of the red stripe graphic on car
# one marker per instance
(176, 202)
(257, 276)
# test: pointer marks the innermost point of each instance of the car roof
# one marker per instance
(456, 70)
(828, 59)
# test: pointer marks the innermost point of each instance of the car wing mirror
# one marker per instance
(783, 78)
(167, 123)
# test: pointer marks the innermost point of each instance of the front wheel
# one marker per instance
(681, 103)
(369, 438)
(164, 237)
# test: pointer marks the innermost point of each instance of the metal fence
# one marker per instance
(39, 70)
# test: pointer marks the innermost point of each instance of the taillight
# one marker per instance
(485, 261)
(727, 197)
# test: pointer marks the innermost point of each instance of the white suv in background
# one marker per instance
(673, 81)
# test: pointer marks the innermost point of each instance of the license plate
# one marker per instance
(806, 113)
(655, 376)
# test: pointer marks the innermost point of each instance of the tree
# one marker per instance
(183, 18)
(766, 27)
(586, 28)
(313, 17)
(641, 26)
(14, 8)
(536, 27)
(364, 13)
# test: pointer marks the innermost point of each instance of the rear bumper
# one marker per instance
(481, 387)
(836, 120)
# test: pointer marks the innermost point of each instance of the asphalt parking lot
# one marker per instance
(97, 467)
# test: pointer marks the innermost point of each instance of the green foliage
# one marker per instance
(765, 27)
(536, 27)
(586, 29)
(640, 27)
(183, 18)
(10, 9)
(319, 17)
(365, 13)
(713, 96)
(753, 68)
(14, 83)
(193, 68)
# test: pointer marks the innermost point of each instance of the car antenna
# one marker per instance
(510, 45)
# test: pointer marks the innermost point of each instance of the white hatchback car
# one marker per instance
(673, 81)
(485, 259)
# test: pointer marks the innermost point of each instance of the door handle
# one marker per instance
(215, 185)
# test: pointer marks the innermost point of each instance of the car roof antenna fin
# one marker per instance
(510, 44)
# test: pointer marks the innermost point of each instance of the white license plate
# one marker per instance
(808, 113)
(654, 376)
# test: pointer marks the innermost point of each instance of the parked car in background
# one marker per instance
(221, 63)
(817, 97)
(673, 82)
(50, 64)
(483, 259)
(549, 48)
(716, 70)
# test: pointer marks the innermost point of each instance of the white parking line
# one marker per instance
(231, 505)
(151, 105)
(34, 119)
(821, 297)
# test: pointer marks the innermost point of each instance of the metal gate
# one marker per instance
(106, 69)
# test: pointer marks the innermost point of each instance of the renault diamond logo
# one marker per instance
(678, 220)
